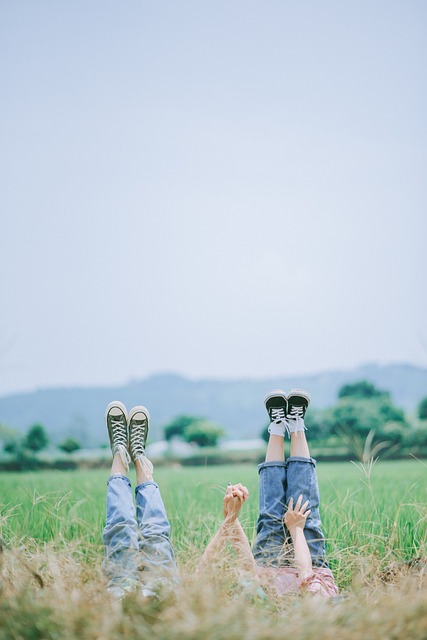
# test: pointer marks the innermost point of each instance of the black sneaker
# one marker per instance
(276, 404)
(298, 401)
(116, 418)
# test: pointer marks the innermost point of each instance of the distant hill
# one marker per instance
(237, 405)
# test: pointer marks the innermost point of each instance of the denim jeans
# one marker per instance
(278, 482)
(137, 545)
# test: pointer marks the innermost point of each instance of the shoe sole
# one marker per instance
(116, 404)
(275, 393)
(119, 405)
(133, 412)
(139, 409)
(301, 393)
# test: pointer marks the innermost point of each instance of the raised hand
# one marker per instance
(295, 517)
(231, 529)
(235, 496)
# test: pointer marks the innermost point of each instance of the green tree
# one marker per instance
(360, 389)
(12, 446)
(317, 426)
(362, 416)
(422, 409)
(36, 438)
(178, 426)
(264, 433)
(355, 419)
(418, 436)
(10, 439)
(203, 433)
(69, 445)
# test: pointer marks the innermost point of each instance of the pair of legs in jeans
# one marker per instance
(280, 481)
(136, 539)
(138, 550)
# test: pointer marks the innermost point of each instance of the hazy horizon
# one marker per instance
(207, 378)
(223, 190)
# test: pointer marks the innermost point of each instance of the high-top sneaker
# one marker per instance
(139, 426)
(116, 418)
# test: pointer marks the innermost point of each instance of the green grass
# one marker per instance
(365, 511)
(51, 585)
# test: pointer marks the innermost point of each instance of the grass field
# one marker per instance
(374, 518)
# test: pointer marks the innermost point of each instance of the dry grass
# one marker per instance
(72, 603)
(52, 586)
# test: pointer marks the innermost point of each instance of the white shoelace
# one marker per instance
(295, 420)
(278, 414)
(137, 448)
(147, 465)
(279, 424)
(120, 441)
(136, 438)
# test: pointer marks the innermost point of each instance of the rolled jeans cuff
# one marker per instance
(147, 483)
(119, 476)
(272, 463)
(300, 459)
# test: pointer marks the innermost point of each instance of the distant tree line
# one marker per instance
(365, 416)
(25, 448)
(194, 430)
(364, 419)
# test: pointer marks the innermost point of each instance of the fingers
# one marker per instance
(238, 491)
(226, 503)
(299, 507)
(304, 506)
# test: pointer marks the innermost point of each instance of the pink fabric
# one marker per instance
(285, 580)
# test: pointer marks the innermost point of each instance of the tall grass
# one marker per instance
(374, 518)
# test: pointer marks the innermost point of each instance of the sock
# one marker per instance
(296, 425)
(277, 428)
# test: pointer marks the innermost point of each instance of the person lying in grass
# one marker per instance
(289, 551)
(138, 551)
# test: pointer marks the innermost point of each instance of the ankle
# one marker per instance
(299, 445)
(144, 470)
(118, 466)
(275, 449)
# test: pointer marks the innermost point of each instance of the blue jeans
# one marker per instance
(137, 549)
(278, 482)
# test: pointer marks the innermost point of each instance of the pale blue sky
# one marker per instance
(228, 188)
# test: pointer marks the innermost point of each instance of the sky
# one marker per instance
(218, 189)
